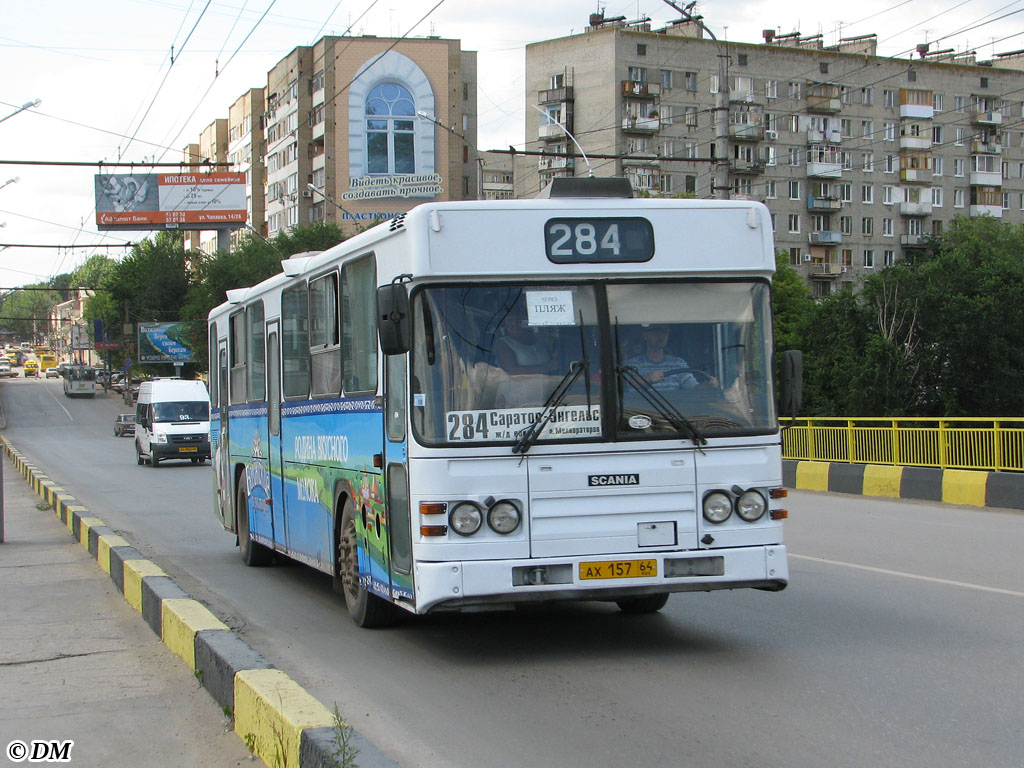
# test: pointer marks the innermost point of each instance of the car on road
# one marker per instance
(124, 424)
(53, 373)
(31, 368)
(5, 368)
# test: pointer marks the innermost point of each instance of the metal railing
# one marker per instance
(951, 443)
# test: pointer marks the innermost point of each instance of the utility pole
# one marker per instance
(720, 178)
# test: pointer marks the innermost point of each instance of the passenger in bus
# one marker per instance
(663, 370)
(520, 349)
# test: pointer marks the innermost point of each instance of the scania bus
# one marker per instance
(465, 407)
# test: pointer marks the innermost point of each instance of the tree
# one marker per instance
(791, 305)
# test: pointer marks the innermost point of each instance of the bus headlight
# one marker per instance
(503, 517)
(465, 518)
(751, 506)
(159, 437)
(717, 507)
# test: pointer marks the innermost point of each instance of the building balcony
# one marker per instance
(827, 270)
(987, 178)
(747, 166)
(979, 147)
(825, 237)
(831, 136)
(746, 132)
(915, 142)
(990, 117)
(916, 175)
(915, 209)
(824, 170)
(555, 95)
(641, 124)
(823, 203)
(551, 131)
(556, 163)
(995, 211)
(913, 241)
(823, 104)
(918, 111)
(744, 97)
(635, 90)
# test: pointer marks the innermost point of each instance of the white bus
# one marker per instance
(478, 404)
(79, 381)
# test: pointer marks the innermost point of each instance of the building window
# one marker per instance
(690, 80)
(887, 193)
(794, 257)
(846, 225)
(937, 197)
(794, 156)
(958, 103)
(890, 163)
(637, 74)
(869, 259)
(867, 129)
(888, 97)
(771, 89)
(867, 226)
(769, 189)
(867, 194)
(937, 101)
(886, 227)
(794, 190)
(846, 192)
(823, 67)
(794, 223)
(958, 198)
(889, 257)
(890, 131)
(867, 96)
(641, 49)
(958, 166)
(666, 79)
(390, 125)
(741, 59)
(937, 165)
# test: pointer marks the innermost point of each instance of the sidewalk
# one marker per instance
(77, 663)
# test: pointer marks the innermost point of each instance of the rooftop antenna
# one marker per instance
(560, 124)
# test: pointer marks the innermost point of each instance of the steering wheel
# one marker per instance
(701, 376)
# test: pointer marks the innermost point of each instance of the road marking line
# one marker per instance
(905, 575)
(58, 402)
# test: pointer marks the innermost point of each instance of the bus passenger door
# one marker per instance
(274, 454)
(396, 480)
(222, 450)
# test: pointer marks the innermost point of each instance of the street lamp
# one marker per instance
(22, 108)
(15, 180)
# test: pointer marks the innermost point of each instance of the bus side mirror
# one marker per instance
(393, 318)
(791, 380)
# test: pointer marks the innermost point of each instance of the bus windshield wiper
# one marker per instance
(532, 433)
(665, 409)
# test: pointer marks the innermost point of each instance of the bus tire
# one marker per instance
(367, 610)
(138, 456)
(645, 604)
(253, 553)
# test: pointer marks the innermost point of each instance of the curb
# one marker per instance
(276, 718)
(967, 487)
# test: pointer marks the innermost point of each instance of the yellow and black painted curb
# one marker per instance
(276, 718)
(970, 487)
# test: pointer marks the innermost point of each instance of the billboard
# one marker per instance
(164, 343)
(170, 200)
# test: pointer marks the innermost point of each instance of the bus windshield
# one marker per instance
(671, 359)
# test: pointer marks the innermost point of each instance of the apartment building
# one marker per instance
(859, 158)
(246, 153)
(211, 148)
(361, 129)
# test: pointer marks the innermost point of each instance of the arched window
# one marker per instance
(390, 127)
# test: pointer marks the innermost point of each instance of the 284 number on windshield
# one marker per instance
(467, 426)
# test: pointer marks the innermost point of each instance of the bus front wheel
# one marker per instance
(646, 604)
(367, 610)
(253, 553)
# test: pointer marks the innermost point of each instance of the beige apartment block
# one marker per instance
(212, 148)
(246, 150)
(860, 158)
(362, 129)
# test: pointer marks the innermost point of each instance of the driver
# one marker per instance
(661, 369)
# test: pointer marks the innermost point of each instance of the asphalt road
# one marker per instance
(898, 642)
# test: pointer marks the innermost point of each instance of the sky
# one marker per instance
(137, 80)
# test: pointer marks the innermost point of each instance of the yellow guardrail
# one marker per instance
(952, 443)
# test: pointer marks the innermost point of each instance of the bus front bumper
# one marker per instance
(469, 584)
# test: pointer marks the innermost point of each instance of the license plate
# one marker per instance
(618, 569)
(187, 449)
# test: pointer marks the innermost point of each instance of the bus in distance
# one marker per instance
(483, 403)
(79, 381)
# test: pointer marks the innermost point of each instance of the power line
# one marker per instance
(103, 164)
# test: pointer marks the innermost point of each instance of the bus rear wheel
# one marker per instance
(645, 604)
(367, 610)
(253, 553)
